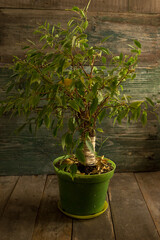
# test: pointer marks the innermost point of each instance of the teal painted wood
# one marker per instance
(133, 148)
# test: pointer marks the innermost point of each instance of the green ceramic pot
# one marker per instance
(85, 195)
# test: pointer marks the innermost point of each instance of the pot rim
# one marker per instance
(79, 177)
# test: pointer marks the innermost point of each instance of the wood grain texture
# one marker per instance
(133, 148)
(144, 6)
(20, 213)
(7, 185)
(51, 224)
(92, 229)
(130, 215)
(150, 184)
(110, 5)
(17, 25)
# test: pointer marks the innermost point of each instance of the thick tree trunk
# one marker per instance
(90, 156)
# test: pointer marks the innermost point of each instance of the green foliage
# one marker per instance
(52, 82)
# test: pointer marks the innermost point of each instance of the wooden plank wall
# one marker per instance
(133, 148)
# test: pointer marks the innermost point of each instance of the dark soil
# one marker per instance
(102, 166)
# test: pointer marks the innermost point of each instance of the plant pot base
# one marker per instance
(86, 216)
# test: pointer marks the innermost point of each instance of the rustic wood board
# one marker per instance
(7, 185)
(109, 5)
(133, 148)
(131, 217)
(51, 224)
(137, 148)
(17, 25)
(150, 186)
(144, 6)
(20, 213)
(99, 228)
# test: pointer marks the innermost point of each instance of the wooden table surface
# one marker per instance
(28, 210)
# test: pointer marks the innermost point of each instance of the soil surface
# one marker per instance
(102, 166)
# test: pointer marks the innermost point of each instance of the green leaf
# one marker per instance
(144, 117)
(121, 56)
(30, 128)
(136, 104)
(102, 115)
(73, 104)
(150, 101)
(47, 121)
(89, 146)
(73, 170)
(71, 125)
(61, 65)
(63, 141)
(55, 130)
(137, 43)
(61, 158)
(73, 40)
(104, 60)
(121, 87)
(86, 8)
(105, 39)
(63, 166)
(53, 29)
(114, 122)
(68, 139)
(70, 22)
(80, 155)
(94, 88)
(31, 42)
(94, 105)
(18, 130)
(134, 75)
(10, 88)
(76, 9)
(85, 25)
(25, 47)
(105, 50)
(100, 130)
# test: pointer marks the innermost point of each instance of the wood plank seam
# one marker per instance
(109, 204)
(72, 230)
(40, 204)
(55, 9)
(146, 203)
(9, 196)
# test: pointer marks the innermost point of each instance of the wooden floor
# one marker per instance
(28, 209)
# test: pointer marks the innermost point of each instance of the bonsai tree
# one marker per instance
(59, 84)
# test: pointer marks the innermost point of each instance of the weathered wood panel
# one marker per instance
(26, 153)
(100, 5)
(130, 215)
(150, 184)
(51, 224)
(144, 6)
(92, 229)
(7, 185)
(18, 25)
(19, 216)
(133, 148)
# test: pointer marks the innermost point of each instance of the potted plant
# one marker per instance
(59, 84)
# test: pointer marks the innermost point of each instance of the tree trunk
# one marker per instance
(90, 156)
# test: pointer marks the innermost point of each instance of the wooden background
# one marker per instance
(133, 147)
